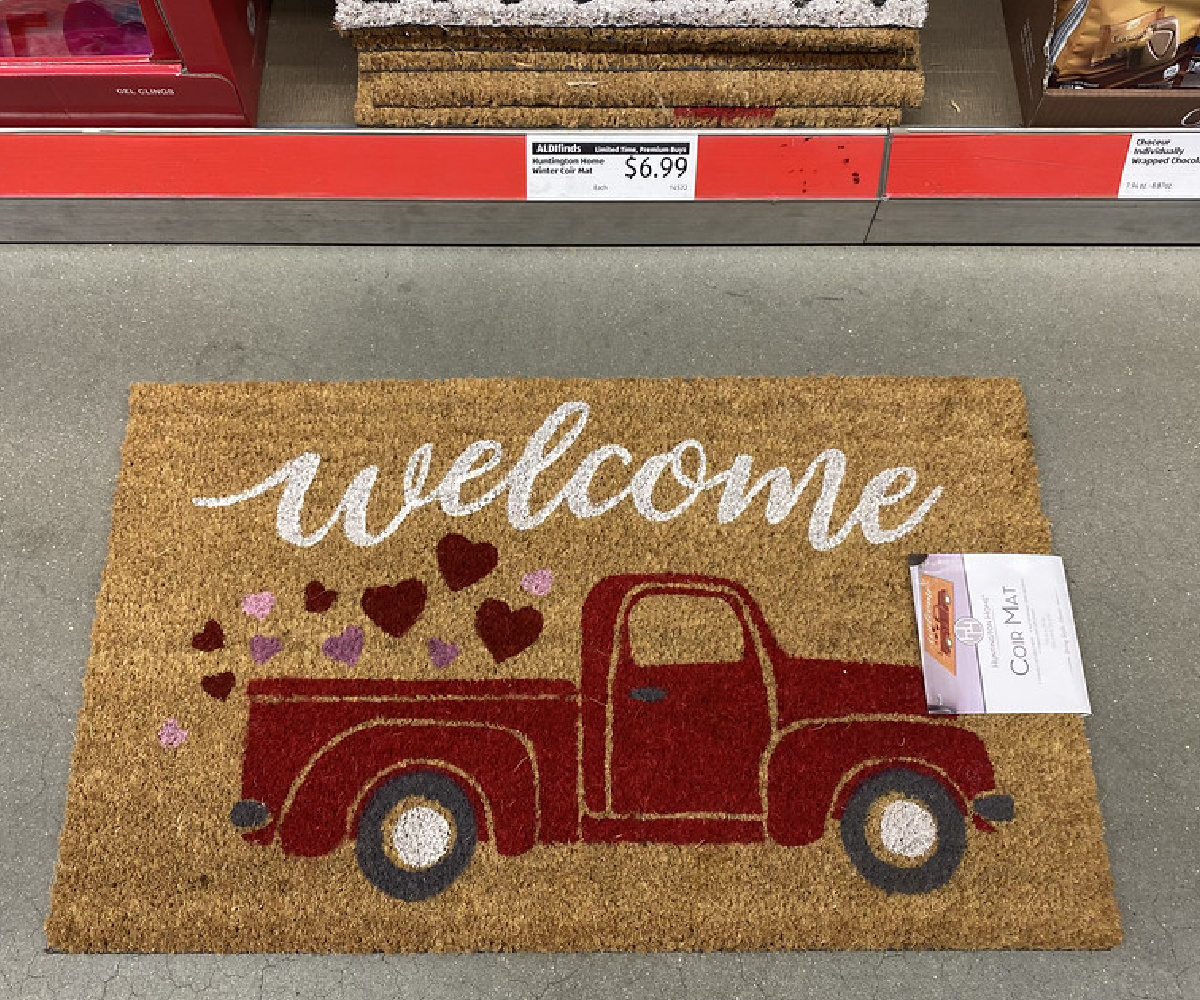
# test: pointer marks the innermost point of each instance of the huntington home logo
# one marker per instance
(690, 723)
(686, 464)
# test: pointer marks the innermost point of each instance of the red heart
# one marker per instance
(218, 685)
(464, 562)
(317, 599)
(209, 638)
(394, 609)
(506, 632)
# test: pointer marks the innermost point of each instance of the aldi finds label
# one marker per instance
(1162, 165)
(997, 635)
(581, 166)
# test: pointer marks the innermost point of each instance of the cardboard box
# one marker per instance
(1030, 23)
(203, 69)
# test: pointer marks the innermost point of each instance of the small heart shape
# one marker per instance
(345, 648)
(218, 685)
(442, 653)
(463, 562)
(263, 647)
(258, 605)
(210, 638)
(394, 609)
(317, 599)
(171, 735)
(506, 632)
(538, 582)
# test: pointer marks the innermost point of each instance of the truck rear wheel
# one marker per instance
(904, 831)
(416, 835)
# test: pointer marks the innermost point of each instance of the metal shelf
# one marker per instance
(752, 187)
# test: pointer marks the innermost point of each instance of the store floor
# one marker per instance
(1103, 340)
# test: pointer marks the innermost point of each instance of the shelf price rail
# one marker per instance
(903, 186)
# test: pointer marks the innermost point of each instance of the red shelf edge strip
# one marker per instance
(398, 167)
(256, 165)
(1006, 165)
(456, 167)
(765, 167)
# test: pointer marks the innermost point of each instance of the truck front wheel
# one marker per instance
(416, 835)
(904, 831)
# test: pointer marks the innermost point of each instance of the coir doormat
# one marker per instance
(573, 61)
(644, 39)
(642, 89)
(561, 665)
(367, 112)
(569, 13)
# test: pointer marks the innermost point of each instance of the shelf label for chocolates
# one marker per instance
(1162, 165)
(997, 635)
(608, 166)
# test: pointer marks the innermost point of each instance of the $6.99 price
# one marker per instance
(655, 167)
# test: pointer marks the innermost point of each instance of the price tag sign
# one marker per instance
(1162, 165)
(607, 166)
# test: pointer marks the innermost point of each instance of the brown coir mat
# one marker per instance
(644, 39)
(368, 113)
(561, 665)
(520, 60)
(643, 88)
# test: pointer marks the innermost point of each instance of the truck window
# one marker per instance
(685, 628)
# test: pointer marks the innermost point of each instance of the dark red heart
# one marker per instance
(209, 638)
(394, 609)
(218, 685)
(317, 599)
(506, 632)
(464, 562)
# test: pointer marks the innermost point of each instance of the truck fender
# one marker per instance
(812, 768)
(496, 766)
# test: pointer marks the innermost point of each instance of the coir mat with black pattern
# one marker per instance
(561, 665)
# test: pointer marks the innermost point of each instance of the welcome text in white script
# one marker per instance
(548, 445)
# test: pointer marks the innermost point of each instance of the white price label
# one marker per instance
(1162, 165)
(603, 166)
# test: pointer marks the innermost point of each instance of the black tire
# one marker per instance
(937, 868)
(379, 866)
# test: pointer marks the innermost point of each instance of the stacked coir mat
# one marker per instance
(635, 63)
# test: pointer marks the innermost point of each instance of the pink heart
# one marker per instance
(258, 605)
(538, 582)
(263, 647)
(345, 648)
(171, 735)
(442, 654)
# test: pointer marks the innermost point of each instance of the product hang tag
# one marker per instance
(997, 635)
(1162, 165)
(608, 166)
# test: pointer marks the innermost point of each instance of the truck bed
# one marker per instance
(294, 720)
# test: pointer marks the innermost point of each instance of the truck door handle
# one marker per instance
(647, 694)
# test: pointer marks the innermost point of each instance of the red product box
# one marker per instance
(131, 63)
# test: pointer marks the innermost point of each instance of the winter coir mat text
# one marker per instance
(561, 665)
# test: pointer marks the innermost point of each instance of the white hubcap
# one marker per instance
(421, 837)
(908, 828)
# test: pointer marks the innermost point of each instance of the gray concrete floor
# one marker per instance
(1103, 340)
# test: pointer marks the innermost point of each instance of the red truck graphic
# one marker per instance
(742, 744)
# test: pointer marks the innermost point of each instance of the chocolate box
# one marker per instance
(1030, 25)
